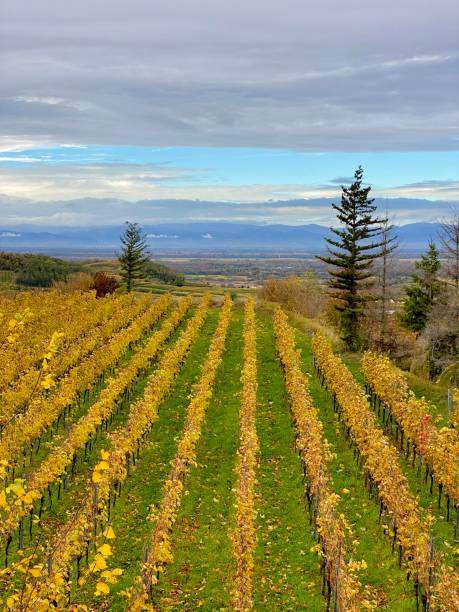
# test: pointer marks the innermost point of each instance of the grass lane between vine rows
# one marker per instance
(200, 576)
(287, 573)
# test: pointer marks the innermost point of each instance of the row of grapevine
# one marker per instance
(22, 498)
(76, 314)
(383, 469)
(159, 552)
(44, 411)
(16, 398)
(330, 526)
(439, 449)
(73, 539)
(244, 536)
(46, 312)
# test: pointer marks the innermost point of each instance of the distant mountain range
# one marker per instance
(212, 236)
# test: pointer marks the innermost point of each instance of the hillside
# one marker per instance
(186, 456)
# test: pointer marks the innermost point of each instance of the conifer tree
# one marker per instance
(134, 256)
(422, 291)
(351, 255)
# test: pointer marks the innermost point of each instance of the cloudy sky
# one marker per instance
(238, 101)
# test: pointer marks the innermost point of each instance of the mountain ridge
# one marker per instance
(310, 238)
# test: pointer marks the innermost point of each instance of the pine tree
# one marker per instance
(422, 291)
(133, 255)
(352, 255)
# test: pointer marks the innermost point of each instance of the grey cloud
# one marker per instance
(440, 185)
(342, 180)
(328, 76)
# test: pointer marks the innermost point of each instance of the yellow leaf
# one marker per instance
(100, 562)
(105, 550)
(101, 587)
(35, 571)
(109, 577)
(47, 382)
(109, 533)
(17, 489)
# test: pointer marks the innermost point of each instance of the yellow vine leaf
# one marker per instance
(102, 588)
(105, 550)
(109, 533)
(100, 562)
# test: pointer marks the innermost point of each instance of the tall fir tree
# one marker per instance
(134, 255)
(351, 256)
(422, 291)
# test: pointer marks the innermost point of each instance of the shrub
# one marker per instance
(104, 284)
(303, 295)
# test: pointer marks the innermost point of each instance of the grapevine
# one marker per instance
(330, 526)
(244, 536)
(438, 448)
(65, 454)
(383, 470)
(16, 398)
(73, 539)
(77, 314)
(43, 411)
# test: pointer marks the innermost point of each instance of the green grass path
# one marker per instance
(200, 576)
(287, 574)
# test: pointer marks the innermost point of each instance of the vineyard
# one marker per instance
(164, 453)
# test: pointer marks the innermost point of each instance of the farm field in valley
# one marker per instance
(197, 452)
